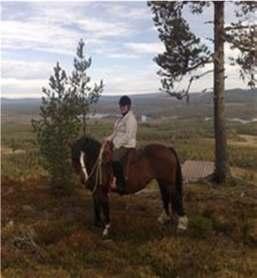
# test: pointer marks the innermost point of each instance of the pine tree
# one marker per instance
(58, 124)
(80, 85)
(184, 53)
(63, 104)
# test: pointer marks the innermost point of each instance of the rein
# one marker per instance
(97, 166)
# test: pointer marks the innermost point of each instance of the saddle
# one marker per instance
(131, 157)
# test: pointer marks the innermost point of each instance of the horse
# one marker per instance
(93, 162)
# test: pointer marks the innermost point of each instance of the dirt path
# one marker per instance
(194, 170)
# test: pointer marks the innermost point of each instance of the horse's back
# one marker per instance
(152, 153)
(159, 151)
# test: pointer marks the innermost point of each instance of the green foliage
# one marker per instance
(60, 118)
(200, 226)
(184, 51)
(80, 87)
(244, 37)
(58, 125)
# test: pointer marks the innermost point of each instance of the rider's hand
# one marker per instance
(106, 139)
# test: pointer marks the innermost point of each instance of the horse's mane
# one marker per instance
(86, 144)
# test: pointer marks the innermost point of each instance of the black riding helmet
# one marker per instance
(125, 100)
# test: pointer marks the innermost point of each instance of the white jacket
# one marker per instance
(124, 131)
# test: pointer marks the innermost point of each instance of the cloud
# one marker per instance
(102, 28)
(26, 70)
(135, 82)
(145, 48)
(37, 36)
(54, 28)
(119, 37)
(19, 88)
(129, 82)
(126, 10)
(147, 83)
(122, 56)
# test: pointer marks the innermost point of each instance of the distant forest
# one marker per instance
(154, 105)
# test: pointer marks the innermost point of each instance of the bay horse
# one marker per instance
(93, 163)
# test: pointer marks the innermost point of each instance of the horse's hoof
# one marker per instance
(182, 223)
(164, 218)
(106, 237)
(106, 231)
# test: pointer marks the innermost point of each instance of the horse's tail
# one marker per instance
(179, 178)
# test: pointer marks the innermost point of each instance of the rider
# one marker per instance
(123, 139)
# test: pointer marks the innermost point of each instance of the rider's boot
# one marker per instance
(120, 180)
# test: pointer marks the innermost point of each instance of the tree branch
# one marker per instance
(208, 61)
(185, 93)
(239, 44)
(239, 27)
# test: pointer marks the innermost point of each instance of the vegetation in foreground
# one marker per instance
(45, 236)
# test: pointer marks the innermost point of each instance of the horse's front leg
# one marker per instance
(97, 211)
(106, 213)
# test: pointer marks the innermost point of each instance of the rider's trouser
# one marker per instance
(118, 154)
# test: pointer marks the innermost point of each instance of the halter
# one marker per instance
(97, 166)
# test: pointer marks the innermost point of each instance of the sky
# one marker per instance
(120, 38)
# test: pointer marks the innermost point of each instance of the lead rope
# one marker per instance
(99, 175)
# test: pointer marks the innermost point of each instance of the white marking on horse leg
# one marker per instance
(106, 229)
(163, 218)
(182, 223)
(83, 166)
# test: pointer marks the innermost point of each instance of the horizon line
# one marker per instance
(118, 95)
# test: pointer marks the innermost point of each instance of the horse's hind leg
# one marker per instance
(177, 208)
(165, 215)
(177, 204)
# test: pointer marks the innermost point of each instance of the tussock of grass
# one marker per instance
(221, 233)
(49, 236)
(200, 226)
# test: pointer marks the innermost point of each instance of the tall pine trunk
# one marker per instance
(221, 157)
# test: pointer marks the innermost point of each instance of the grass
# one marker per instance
(67, 245)
(46, 236)
(190, 138)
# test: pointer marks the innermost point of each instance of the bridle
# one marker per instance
(96, 167)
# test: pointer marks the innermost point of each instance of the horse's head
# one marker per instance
(85, 155)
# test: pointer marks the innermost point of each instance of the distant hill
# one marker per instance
(153, 104)
(231, 96)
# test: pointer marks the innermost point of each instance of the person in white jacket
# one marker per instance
(123, 139)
